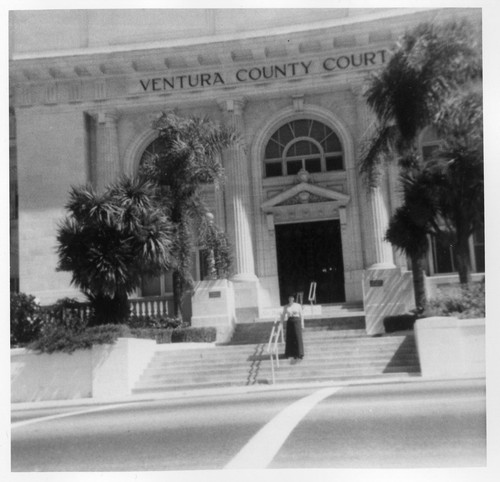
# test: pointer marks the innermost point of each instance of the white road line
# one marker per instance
(62, 415)
(261, 449)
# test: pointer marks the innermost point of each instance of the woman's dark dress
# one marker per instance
(294, 346)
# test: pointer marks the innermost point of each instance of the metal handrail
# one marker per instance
(312, 293)
(272, 346)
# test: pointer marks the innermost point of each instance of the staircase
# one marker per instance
(335, 349)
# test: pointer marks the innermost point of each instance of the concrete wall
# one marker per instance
(59, 376)
(451, 348)
(105, 371)
(51, 158)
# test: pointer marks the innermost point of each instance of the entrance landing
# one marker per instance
(340, 320)
(311, 312)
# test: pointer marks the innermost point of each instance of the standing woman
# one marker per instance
(292, 314)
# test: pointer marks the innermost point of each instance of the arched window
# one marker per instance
(155, 147)
(303, 144)
(163, 285)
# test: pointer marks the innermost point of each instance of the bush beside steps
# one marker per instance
(464, 302)
(63, 327)
(68, 341)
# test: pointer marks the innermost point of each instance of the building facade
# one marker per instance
(85, 87)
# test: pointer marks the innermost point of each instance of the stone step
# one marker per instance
(313, 352)
(294, 374)
(317, 350)
(166, 369)
(337, 310)
(325, 337)
(326, 358)
(279, 379)
(259, 332)
(282, 372)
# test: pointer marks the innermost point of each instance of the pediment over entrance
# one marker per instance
(304, 193)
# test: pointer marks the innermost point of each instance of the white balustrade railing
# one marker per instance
(149, 306)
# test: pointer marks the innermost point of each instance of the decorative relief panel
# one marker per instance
(304, 197)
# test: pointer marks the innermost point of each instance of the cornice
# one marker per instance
(218, 51)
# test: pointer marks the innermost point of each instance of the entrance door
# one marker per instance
(310, 252)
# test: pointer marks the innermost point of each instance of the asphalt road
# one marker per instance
(402, 425)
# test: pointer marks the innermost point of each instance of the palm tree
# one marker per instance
(109, 241)
(412, 222)
(457, 173)
(189, 159)
(428, 64)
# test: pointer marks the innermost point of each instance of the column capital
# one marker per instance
(107, 116)
(233, 105)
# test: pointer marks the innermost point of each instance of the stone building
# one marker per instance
(85, 86)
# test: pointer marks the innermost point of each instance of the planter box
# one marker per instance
(104, 371)
(450, 347)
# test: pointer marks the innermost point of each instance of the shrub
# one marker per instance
(151, 321)
(177, 335)
(197, 335)
(62, 339)
(161, 335)
(25, 319)
(465, 302)
(399, 322)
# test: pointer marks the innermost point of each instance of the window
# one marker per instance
(163, 285)
(478, 243)
(429, 143)
(303, 144)
(156, 147)
(442, 255)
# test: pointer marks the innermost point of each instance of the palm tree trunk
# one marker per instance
(110, 310)
(463, 259)
(178, 293)
(417, 268)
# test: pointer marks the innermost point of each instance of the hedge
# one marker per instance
(65, 340)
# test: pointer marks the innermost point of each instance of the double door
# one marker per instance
(310, 252)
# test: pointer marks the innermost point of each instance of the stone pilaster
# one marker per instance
(238, 194)
(381, 255)
(384, 287)
(108, 161)
(378, 251)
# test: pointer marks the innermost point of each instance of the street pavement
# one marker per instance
(424, 424)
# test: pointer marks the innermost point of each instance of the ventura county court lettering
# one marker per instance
(267, 72)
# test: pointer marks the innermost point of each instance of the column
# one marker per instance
(238, 195)
(108, 161)
(378, 251)
(385, 289)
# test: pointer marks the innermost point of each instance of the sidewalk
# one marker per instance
(210, 392)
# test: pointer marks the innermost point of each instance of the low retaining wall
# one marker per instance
(450, 347)
(104, 371)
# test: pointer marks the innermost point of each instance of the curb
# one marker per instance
(238, 390)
